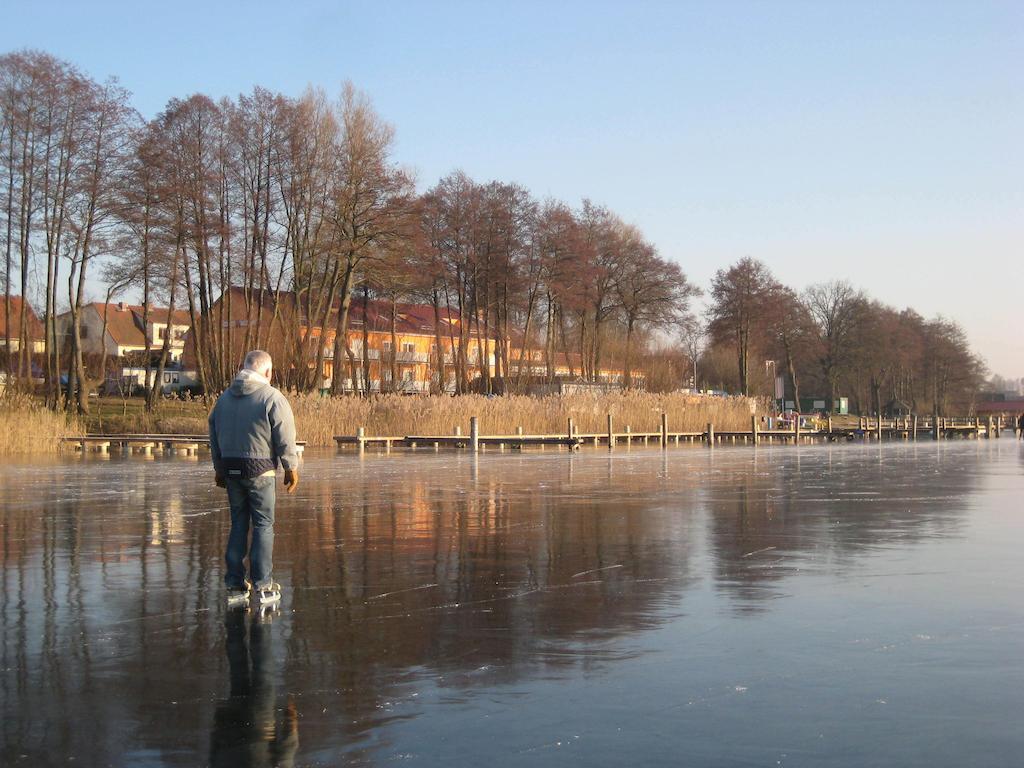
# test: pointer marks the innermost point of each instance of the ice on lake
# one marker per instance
(822, 606)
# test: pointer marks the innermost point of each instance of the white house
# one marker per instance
(125, 330)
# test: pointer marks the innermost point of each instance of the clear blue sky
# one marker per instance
(878, 142)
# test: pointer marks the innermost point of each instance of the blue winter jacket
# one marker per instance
(252, 430)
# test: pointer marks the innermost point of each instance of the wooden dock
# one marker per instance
(148, 445)
(910, 428)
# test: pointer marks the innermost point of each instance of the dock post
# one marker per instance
(519, 430)
(829, 427)
(474, 434)
(936, 429)
(796, 429)
(664, 430)
(570, 428)
(914, 433)
(999, 425)
(360, 438)
(711, 434)
(753, 428)
(629, 437)
(878, 428)
(977, 427)
(988, 429)
(611, 434)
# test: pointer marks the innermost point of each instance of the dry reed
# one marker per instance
(319, 419)
(28, 426)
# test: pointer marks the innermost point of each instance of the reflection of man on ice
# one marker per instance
(252, 432)
(246, 730)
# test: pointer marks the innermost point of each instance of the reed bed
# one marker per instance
(28, 426)
(319, 419)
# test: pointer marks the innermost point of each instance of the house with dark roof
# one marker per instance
(122, 329)
(36, 335)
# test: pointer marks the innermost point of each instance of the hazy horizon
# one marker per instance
(878, 144)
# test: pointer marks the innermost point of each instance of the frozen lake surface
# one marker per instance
(813, 606)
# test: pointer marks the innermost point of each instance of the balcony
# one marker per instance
(385, 356)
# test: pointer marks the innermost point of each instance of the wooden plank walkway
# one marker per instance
(865, 429)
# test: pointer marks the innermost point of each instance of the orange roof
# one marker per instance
(35, 328)
(124, 321)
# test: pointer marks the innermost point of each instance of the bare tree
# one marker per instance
(651, 292)
(837, 310)
(792, 334)
(741, 298)
(372, 204)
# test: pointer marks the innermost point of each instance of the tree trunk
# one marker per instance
(394, 345)
(364, 386)
(438, 344)
(341, 332)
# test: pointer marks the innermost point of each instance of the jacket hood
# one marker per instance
(247, 382)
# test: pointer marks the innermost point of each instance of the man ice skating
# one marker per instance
(252, 432)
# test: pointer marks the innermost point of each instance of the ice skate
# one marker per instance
(238, 598)
(269, 594)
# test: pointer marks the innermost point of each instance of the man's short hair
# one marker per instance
(258, 361)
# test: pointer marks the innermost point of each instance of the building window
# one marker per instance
(159, 332)
(386, 346)
(409, 347)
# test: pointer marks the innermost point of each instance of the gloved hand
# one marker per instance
(219, 479)
(291, 479)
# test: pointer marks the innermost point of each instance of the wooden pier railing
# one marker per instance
(909, 428)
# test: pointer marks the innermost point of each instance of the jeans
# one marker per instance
(252, 505)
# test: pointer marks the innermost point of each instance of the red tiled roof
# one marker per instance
(124, 321)
(35, 328)
(411, 319)
(1000, 406)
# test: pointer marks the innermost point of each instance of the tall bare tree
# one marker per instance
(371, 205)
(837, 310)
(741, 299)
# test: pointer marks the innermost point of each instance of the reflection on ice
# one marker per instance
(722, 606)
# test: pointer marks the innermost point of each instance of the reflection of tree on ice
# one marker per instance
(245, 730)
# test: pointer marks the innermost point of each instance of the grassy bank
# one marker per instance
(30, 427)
(113, 416)
(318, 419)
